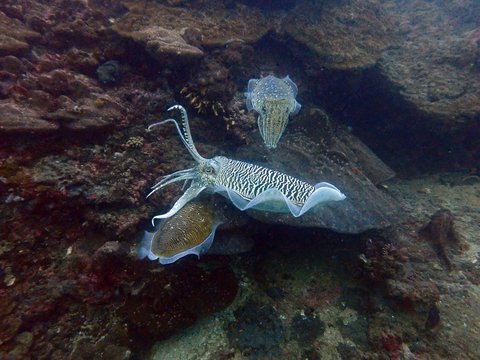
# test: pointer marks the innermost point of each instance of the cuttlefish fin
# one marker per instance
(296, 108)
(252, 83)
(248, 101)
(145, 248)
(292, 85)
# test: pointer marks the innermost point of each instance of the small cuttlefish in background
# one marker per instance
(274, 100)
(190, 231)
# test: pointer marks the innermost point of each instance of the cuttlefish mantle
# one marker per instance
(190, 231)
(274, 101)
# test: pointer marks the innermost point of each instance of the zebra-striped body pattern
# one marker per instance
(249, 181)
(248, 186)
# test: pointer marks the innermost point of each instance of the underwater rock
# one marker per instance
(16, 118)
(267, 5)
(23, 343)
(357, 152)
(215, 24)
(230, 244)
(418, 295)
(108, 72)
(12, 65)
(365, 207)
(306, 327)
(159, 42)
(112, 343)
(440, 232)
(342, 35)
(86, 114)
(9, 45)
(175, 299)
(433, 318)
(257, 331)
(14, 36)
(59, 98)
(110, 248)
(82, 61)
(9, 327)
(435, 68)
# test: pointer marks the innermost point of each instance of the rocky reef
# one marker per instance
(386, 87)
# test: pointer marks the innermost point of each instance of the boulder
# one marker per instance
(16, 118)
(436, 68)
(328, 152)
(180, 31)
(14, 36)
(342, 35)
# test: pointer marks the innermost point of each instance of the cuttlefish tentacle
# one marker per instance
(246, 185)
(191, 193)
(176, 176)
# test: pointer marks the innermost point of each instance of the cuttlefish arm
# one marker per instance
(193, 191)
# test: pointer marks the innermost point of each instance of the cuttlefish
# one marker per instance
(190, 231)
(274, 101)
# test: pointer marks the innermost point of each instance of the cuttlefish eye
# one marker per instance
(211, 167)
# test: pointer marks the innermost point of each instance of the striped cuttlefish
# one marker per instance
(246, 185)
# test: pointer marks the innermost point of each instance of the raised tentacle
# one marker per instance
(192, 192)
(183, 131)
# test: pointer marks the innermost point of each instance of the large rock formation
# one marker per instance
(344, 36)
(179, 32)
(14, 35)
(436, 66)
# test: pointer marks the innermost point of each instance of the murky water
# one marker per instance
(356, 237)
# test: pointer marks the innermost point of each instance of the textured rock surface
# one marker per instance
(19, 119)
(158, 41)
(436, 66)
(211, 25)
(14, 35)
(342, 35)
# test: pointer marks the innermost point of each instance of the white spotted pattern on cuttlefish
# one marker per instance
(274, 100)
